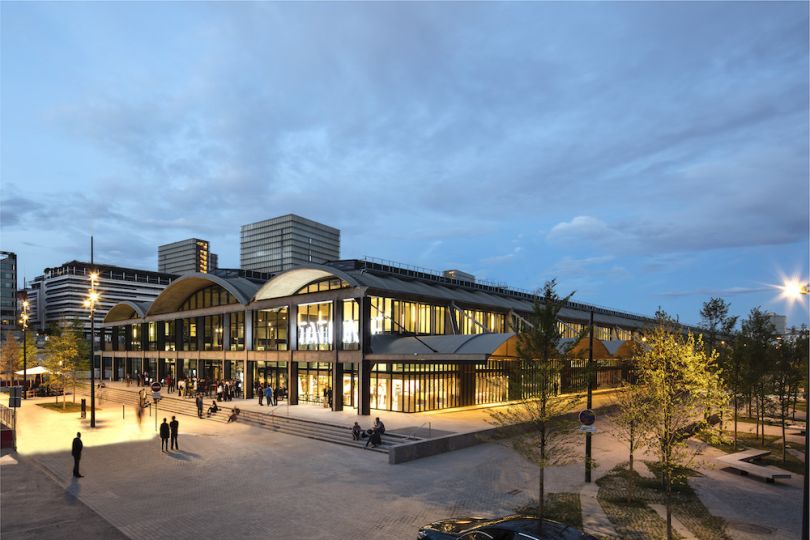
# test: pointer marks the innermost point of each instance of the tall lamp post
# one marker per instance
(24, 324)
(795, 290)
(90, 303)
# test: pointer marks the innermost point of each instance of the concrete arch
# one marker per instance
(175, 294)
(126, 310)
(291, 281)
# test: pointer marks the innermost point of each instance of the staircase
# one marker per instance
(319, 431)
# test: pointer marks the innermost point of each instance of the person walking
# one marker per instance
(199, 405)
(268, 393)
(164, 436)
(77, 455)
(174, 425)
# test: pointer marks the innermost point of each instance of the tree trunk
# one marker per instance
(784, 440)
(668, 479)
(541, 505)
(631, 479)
(735, 422)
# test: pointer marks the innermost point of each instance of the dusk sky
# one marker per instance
(645, 154)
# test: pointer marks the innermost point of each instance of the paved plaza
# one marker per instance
(243, 481)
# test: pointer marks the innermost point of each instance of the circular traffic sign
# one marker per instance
(586, 417)
(156, 386)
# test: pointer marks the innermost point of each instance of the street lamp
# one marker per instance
(90, 303)
(24, 324)
(795, 290)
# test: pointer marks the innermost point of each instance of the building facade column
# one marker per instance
(292, 382)
(337, 345)
(364, 367)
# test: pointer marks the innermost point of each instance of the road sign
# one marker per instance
(155, 396)
(156, 386)
(587, 429)
(586, 417)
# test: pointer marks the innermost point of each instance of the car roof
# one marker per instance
(518, 523)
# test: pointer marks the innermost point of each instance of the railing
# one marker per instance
(6, 416)
(412, 436)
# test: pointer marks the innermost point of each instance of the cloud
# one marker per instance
(722, 292)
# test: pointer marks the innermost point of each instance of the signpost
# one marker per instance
(14, 396)
(156, 386)
(586, 419)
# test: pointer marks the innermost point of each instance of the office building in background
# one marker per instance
(190, 255)
(283, 242)
(8, 291)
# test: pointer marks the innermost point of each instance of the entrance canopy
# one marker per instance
(477, 347)
(39, 370)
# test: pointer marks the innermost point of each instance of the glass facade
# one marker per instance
(391, 316)
(135, 337)
(270, 329)
(237, 329)
(210, 296)
(169, 343)
(273, 372)
(315, 327)
(313, 379)
(323, 285)
(151, 340)
(415, 387)
(189, 334)
(212, 333)
(351, 325)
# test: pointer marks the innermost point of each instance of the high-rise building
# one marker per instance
(779, 322)
(213, 262)
(283, 242)
(58, 294)
(190, 255)
(8, 291)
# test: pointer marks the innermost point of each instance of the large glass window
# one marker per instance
(274, 373)
(323, 285)
(415, 387)
(315, 327)
(151, 336)
(399, 317)
(189, 334)
(212, 335)
(237, 331)
(314, 378)
(270, 329)
(210, 296)
(135, 337)
(351, 325)
(169, 337)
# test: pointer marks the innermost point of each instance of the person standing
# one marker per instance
(199, 405)
(260, 391)
(77, 455)
(174, 425)
(164, 436)
(268, 394)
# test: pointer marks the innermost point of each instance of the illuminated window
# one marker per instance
(315, 327)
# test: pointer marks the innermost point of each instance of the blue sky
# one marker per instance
(645, 154)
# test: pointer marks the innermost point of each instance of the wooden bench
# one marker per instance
(740, 462)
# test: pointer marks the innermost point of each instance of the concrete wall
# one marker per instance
(448, 443)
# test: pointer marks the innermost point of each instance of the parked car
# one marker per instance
(505, 528)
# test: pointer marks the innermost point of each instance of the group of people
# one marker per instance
(373, 434)
(224, 389)
(267, 392)
(169, 430)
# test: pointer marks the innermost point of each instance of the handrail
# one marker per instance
(411, 436)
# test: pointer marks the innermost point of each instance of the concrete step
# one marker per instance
(298, 427)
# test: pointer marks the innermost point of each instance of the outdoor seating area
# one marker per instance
(741, 462)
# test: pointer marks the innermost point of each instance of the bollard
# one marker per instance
(123, 413)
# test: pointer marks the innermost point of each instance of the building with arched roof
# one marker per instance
(379, 336)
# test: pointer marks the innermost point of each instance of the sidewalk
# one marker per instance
(36, 507)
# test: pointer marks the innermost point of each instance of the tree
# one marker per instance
(630, 420)
(543, 435)
(719, 334)
(10, 353)
(758, 338)
(681, 381)
(61, 352)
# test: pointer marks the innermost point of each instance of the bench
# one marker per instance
(740, 462)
